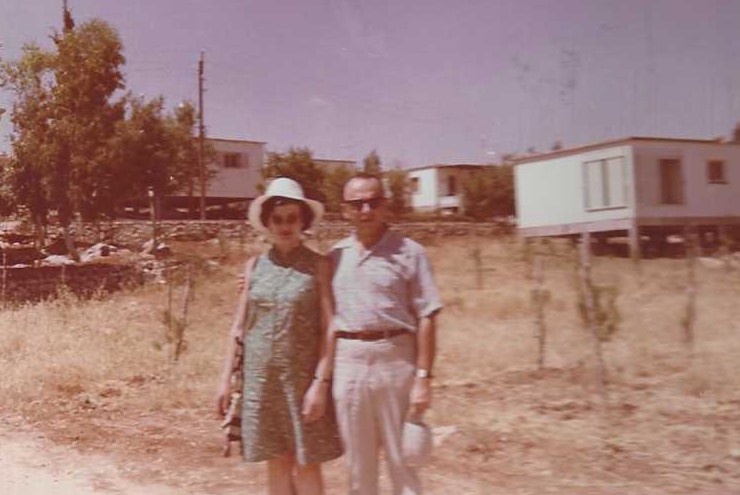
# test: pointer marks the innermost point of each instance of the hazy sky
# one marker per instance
(423, 81)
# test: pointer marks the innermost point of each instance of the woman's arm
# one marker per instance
(314, 404)
(237, 332)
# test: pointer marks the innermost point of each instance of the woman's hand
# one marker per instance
(315, 401)
(223, 398)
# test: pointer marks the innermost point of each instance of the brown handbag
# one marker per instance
(232, 423)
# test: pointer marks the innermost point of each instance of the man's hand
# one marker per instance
(420, 398)
(315, 401)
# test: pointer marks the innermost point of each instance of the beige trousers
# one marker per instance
(372, 382)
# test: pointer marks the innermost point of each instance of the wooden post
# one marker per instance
(539, 298)
(170, 337)
(182, 324)
(690, 241)
(477, 258)
(590, 312)
(5, 276)
(724, 245)
(633, 234)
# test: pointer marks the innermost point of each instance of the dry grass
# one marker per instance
(671, 427)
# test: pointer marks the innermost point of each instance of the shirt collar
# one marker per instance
(351, 241)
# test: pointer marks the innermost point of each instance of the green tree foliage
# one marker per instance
(489, 192)
(64, 115)
(397, 186)
(334, 181)
(155, 150)
(736, 134)
(30, 79)
(297, 164)
(87, 73)
(371, 164)
(79, 144)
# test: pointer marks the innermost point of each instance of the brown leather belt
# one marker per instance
(370, 335)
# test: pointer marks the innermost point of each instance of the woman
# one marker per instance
(284, 312)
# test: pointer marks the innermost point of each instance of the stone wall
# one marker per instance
(133, 234)
(39, 283)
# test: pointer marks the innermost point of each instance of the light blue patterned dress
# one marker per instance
(280, 357)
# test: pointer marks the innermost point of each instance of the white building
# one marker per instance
(641, 186)
(439, 188)
(236, 169)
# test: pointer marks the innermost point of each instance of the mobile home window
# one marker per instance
(414, 185)
(232, 160)
(605, 183)
(451, 185)
(716, 172)
(671, 181)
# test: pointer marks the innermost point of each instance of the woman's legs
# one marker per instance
(287, 477)
(308, 479)
(279, 476)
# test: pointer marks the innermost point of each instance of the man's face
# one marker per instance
(364, 205)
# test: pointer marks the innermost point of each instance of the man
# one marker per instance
(386, 304)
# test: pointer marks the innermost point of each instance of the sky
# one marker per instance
(421, 81)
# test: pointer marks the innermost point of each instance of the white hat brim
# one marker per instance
(255, 210)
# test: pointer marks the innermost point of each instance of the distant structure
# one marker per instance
(439, 188)
(644, 187)
(235, 174)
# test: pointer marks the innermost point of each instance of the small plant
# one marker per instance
(540, 297)
(175, 325)
(605, 312)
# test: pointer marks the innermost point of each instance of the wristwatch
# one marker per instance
(422, 373)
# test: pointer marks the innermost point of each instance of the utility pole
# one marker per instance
(201, 141)
(67, 22)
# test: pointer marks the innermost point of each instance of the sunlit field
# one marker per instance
(99, 375)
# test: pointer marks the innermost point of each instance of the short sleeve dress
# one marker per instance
(280, 356)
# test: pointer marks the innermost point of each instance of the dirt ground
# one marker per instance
(525, 439)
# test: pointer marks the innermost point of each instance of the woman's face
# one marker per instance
(285, 223)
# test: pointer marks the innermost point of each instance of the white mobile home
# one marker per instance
(236, 169)
(439, 188)
(640, 186)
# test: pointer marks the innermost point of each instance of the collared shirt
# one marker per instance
(385, 287)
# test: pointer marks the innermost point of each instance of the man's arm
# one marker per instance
(426, 303)
(426, 350)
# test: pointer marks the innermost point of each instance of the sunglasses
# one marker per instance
(359, 204)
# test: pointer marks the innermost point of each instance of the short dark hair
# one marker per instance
(366, 176)
(274, 201)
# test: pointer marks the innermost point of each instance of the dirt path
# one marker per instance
(35, 466)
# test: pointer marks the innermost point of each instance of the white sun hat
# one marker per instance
(416, 443)
(282, 187)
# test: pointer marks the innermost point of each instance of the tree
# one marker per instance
(489, 192)
(64, 117)
(371, 164)
(30, 80)
(184, 125)
(736, 134)
(78, 144)
(154, 151)
(398, 191)
(298, 165)
(334, 181)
